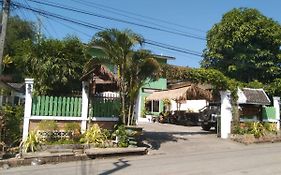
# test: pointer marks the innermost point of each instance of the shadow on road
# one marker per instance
(155, 139)
(121, 164)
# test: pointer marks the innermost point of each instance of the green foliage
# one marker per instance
(32, 142)
(122, 136)
(72, 127)
(94, 135)
(48, 125)
(141, 68)
(245, 45)
(258, 129)
(74, 131)
(118, 48)
(11, 124)
(55, 65)
(270, 127)
(19, 31)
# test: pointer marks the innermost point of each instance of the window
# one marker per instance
(152, 106)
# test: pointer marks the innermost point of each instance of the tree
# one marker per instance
(18, 31)
(142, 68)
(55, 65)
(245, 45)
(118, 47)
(134, 66)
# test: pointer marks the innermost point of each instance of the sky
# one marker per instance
(188, 17)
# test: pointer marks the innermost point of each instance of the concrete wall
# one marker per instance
(189, 105)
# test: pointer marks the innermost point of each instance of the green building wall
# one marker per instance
(160, 84)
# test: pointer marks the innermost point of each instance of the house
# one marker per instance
(142, 106)
(11, 93)
(252, 104)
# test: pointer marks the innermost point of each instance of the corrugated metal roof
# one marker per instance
(256, 96)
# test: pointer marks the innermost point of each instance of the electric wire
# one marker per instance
(57, 5)
(99, 28)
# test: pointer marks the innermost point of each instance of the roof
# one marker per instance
(191, 92)
(253, 96)
(102, 79)
(17, 86)
(164, 57)
(101, 72)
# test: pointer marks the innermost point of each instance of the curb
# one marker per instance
(47, 157)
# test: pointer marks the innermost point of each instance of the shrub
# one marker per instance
(125, 137)
(258, 129)
(48, 125)
(94, 135)
(31, 143)
(72, 127)
(11, 124)
(74, 131)
(270, 127)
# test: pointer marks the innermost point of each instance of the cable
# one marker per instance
(99, 28)
(119, 12)
(38, 18)
(56, 5)
(93, 4)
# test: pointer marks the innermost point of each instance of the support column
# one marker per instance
(27, 106)
(85, 105)
(226, 114)
(276, 104)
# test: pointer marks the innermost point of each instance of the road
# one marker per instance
(175, 150)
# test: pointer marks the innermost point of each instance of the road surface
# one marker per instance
(175, 150)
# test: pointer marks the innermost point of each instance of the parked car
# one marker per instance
(208, 116)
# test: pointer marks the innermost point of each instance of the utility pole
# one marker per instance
(5, 14)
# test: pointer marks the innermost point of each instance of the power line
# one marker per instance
(56, 5)
(99, 28)
(119, 12)
(94, 4)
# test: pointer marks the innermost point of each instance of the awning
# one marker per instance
(191, 92)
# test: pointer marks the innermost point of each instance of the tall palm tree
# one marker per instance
(118, 47)
(142, 68)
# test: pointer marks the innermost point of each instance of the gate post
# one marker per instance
(27, 106)
(226, 114)
(85, 105)
(276, 101)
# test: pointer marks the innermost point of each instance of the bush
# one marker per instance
(72, 127)
(48, 125)
(258, 129)
(95, 135)
(125, 137)
(74, 131)
(11, 124)
(31, 143)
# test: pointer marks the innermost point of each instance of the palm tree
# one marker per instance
(142, 68)
(118, 47)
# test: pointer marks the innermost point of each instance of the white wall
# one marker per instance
(189, 105)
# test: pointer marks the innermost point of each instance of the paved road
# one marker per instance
(176, 150)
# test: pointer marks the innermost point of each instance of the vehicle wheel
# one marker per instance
(206, 127)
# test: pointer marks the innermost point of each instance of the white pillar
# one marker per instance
(138, 108)
(226, 114)
(27, 106)
(276, 104)
(85, 105)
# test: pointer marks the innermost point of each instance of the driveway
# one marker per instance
(175, 150)
(189, 139)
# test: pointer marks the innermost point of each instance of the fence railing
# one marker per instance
(105, 105)
(56, 106)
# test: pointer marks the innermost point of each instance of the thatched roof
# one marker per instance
(101, 72)
(191, 92)
(101, 79)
